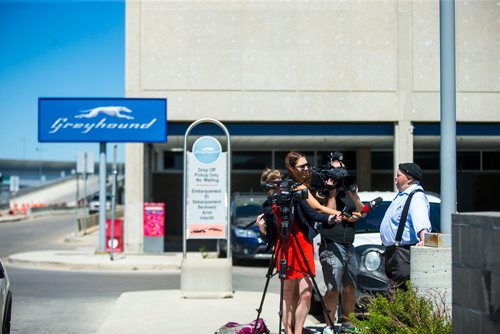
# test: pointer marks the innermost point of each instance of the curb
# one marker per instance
(11, 219)
(88, 260)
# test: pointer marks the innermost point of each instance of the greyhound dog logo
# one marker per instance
(114, 111)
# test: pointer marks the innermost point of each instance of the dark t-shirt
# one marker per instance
(341, 232)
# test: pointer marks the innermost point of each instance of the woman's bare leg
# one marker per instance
(289, 302)
(303, 304)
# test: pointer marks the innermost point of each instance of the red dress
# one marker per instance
(296, 266)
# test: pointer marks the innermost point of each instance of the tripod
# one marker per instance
(282, 215)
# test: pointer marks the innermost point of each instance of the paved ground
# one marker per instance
(163, 311)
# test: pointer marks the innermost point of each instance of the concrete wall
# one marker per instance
(476, 273)
(315, 60)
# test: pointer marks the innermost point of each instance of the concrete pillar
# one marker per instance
(403, 131)
(134, 153)
(431, 273)
(403, 143)
(134, 198)
(364, 169)
(206, 277)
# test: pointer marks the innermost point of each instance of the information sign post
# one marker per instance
(206, 187)
(206, 193)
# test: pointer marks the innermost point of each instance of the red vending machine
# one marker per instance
(154, 227)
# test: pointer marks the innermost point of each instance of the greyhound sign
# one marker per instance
(102, 120)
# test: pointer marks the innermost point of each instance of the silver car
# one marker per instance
(5, 299)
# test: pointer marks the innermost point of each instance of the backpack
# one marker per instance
(236, 328)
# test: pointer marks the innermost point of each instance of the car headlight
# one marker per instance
(245, 233)
(372, 261)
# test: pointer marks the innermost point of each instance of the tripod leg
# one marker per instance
(316, 288)
(282, 274)
(269, 274)
(282, 294)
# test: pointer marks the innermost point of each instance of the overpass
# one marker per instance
(61, 193)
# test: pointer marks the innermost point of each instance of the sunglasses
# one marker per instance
(304, 166)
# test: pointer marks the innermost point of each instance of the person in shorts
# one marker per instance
(337, 254)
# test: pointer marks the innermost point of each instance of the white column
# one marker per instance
(403, 131)
(134, 198)
(403, 142)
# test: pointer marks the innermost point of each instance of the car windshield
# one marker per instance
(96, 198)
(246, 212)
(371, 223)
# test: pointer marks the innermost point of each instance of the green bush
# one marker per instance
(405, 312)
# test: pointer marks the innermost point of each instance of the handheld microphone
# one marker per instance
(366, 208)
(371, 205)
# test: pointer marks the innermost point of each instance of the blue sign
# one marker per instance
(102, 120)
(207, 150)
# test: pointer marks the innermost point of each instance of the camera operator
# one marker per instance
(268, 177)
(337, 253)
(296, 247)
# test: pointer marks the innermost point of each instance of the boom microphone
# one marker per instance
(371, 205)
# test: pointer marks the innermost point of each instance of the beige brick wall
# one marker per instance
(316, 60)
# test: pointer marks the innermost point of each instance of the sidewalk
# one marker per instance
(161, 311)
(165, 311)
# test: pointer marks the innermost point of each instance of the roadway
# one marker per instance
(63, 301)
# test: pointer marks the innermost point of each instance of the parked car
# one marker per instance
(5, 299)
(94, 203)
(371, 278)
(246, 243)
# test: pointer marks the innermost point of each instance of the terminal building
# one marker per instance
(360, 77)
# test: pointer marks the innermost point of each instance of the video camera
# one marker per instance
(322, 173)
(282, 198)
(285, 191)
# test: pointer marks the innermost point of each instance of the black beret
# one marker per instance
(411, 169)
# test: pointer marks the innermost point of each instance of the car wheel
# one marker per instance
(236, 261)
(7, 315)
(220, 253)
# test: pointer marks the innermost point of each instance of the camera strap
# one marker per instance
(404, 216)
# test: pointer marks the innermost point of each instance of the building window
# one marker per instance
(427, 160)
(382, 161)
(349, 158)
(173, 160)
(251, 160)
(468, 160)
(491, 160)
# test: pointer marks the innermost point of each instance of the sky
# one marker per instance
(56, 48)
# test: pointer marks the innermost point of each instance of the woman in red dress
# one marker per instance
(299, 249)
(296, 246)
